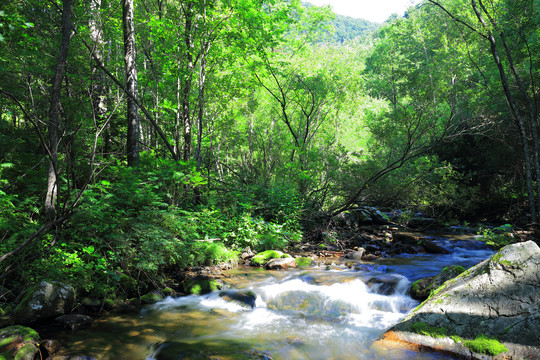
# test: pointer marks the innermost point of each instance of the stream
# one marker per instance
(322, 312)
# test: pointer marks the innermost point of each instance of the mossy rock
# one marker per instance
(424, 288)
(151, 298)
(18, 342)
(303, 261)
(264, 257)
(202, 285)
(167, 291)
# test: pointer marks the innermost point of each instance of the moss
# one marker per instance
(27, 351)
(198, 286)
(485, 345)
(26, 333)
(456, 339)
(167, 291)
(415, 285)
(18, 334)
(495, 258)
(151, 298)
(505, 263)
(265, 256)
(424, 329)
(303, 261)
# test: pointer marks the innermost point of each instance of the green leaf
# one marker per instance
(89, 249)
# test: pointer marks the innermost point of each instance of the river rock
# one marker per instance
(44, 301)
(49, 347)
(421, 289)
(74, 321)
(18, 342)
(264, 257)
(243, 297)
(152, 297)
(356, 255)
(202, 284)
(369, 215)
(497, 299)
(346, 219)
(281, 264)
(433, 248)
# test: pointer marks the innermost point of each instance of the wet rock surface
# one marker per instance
(498, 299)
(18, 342)
(74, 321)
(44, 301)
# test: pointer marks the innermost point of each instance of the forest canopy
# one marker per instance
(139, 135)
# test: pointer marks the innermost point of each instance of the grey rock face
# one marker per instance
(44, 301)
(499, 298)
(282, 263)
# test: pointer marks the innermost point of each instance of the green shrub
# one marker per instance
(497, 237)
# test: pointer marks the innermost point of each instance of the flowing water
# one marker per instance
(323, 312)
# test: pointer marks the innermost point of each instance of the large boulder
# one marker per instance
(490, 310)
(44, 301)
(18, 342)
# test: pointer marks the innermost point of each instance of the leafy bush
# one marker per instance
(497, 237)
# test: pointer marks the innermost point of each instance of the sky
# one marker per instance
(372, 10)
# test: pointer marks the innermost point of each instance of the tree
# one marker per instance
(507, 29)
(54, 111)
(133, 132)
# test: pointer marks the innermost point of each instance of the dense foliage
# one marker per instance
(252, 117)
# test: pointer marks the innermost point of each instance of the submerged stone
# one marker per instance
(243, 297)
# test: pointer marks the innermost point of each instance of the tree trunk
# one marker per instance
(186, 86)
(133, 132)
(54, 112)
(98, 88)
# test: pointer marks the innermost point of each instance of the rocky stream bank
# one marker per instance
(356, 240)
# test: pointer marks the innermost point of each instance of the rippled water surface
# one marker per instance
(312, 313)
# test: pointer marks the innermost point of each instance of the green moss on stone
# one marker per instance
(27, 351)
(262, 258)
(197, 286)
(151, 298)
(415, 285)
(456, 339)
(303, 261)
(424, 329)
(485, 345)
